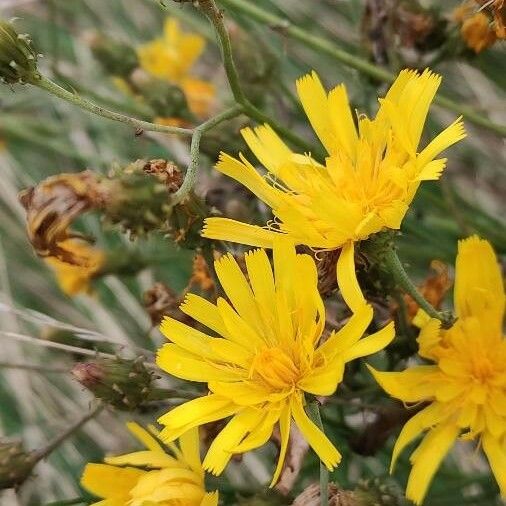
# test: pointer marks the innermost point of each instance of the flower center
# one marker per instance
(483, 370)
(275, 367)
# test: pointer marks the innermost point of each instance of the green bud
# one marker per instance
(117, 58)
(124, 384)
(15, 464)
(18, 60)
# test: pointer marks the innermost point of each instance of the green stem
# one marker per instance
(313, 412)
(215, 16)
(34, 367)
(53, 88)
(58, 440)
(395, 267)
(192, 170)
(342, 56)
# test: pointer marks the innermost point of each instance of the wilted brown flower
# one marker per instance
(160, 300)
(498, 11)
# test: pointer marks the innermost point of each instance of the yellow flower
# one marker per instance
(267, 354)
(369, 178)
(155, 476)
(171, 58)
(74, 278)
(466, 386)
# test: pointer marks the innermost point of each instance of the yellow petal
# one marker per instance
(267, 146)
(324, 380)
(210, 499)
(478, 281)
(371, 344)
(342, 120)
(450, 135)
(325, 450)
(315, 103)
(341, 341)
(189, 443)
(261, 434)
(142, 435)
(237, 289)
(412, 385)
(243, 172)
(243, 393)
(220, 451)
(284, 434)
(424, 419)
(427, 458)
(186, 337)
(204, 312)
(194, 413)
(143, 459)
(225, 229)
(496, 455)
(261, 278)
(347, 278)
(178, 362)
(107, 481)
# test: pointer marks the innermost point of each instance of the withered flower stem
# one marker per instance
(60, 438)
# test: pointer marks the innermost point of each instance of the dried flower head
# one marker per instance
(18, 60)
(156, 476)
(465, 387)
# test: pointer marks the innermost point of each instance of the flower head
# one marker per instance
(169, 476)
(368, 180)
(466, 385)
(171, 58)
(267, 354)
(18, 60)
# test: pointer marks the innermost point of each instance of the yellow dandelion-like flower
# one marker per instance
(161, 476)
(267, 354)
(466, 385)
(369, 178)
(75, 278)
(171, 58)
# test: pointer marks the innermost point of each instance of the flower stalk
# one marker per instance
(394, 266)
(60, 438)
(313, 411)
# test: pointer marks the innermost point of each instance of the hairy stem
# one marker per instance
(313, 412)
(353, 61)
(53, 88)
(192, 170)
(396, 269)
(215, 16)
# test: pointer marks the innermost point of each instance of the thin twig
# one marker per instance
(53, 88)
(60, 438)
(33, 367)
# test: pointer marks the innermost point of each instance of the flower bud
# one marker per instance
(15, 464)
(124, 384)
(18, 60)
(117, 58)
